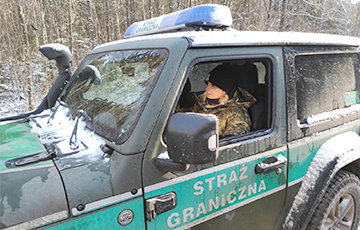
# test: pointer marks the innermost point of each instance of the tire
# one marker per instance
(339, 209)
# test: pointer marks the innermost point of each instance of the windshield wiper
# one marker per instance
(55, 110)
(73, 142)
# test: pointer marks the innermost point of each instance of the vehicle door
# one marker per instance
(323, 102)
(246, 185)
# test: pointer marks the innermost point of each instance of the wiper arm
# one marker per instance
(55, 110)
(84, 114)
(74, 144)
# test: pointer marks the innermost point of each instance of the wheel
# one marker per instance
(339, 209)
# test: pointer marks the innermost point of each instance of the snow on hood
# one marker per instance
(59, 129)
(345, 147)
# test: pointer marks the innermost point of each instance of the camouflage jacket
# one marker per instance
(233, 116)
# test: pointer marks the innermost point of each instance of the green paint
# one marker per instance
(301, 156)
(16, 140)
(214, 192)
(351, 98)
(107, 218)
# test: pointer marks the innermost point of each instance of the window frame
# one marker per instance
(91, 57)
(268, 61)
(325, 79)
(296, 131)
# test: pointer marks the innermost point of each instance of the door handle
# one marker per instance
(270, 164)
(160, 204)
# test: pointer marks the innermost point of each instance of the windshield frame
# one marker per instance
(163, 52)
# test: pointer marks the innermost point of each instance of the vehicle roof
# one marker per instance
(245, 38)
(258, 38)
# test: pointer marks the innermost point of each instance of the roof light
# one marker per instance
(210, 16)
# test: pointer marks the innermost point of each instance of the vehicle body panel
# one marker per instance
(40, 188)
(16, 140)
(211, 192)
(316, 171)
(108, 218)
(195, 198)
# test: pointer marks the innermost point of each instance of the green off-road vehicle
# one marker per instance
(108, 148)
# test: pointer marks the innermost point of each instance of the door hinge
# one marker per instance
(160, 204)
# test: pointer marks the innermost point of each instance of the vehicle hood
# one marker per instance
(16, 140)
(24, 139)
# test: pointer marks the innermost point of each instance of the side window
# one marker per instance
(246, 83)
(324, 83)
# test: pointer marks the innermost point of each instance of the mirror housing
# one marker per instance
(192, 138)
(62, 55)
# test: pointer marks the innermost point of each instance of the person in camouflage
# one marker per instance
(227, 101)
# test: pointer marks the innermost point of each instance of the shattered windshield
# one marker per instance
(111, 89)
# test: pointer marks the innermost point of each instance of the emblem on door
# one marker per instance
(125, 217)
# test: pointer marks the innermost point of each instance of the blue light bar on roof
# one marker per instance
(209, 16)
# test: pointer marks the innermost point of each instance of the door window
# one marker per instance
(246, 104)
(325, 83)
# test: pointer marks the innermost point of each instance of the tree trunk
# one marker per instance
(70, 28)
(268, 14)
(157, 8)
(26, 58)
(244, 14)
(117, 31)
(44, 41)
(90, 25)
(283, 15)
(357, 20)
(144, 16)
(150, 9)
(128, 17)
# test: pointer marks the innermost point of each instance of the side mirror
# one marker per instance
(60, 53)
(191, 138)
(91, 72)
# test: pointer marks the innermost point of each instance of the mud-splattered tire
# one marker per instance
(340, 206)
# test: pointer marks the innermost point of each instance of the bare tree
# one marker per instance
(26, 57)
(90, 24)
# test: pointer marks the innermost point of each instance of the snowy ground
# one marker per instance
(13, 100)
(12, 103)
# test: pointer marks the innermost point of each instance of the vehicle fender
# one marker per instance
(31, 196)
(332, 156)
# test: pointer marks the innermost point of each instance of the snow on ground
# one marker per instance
(13, 98)
(13, 103)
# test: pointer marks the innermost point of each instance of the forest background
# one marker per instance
(26, 75)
